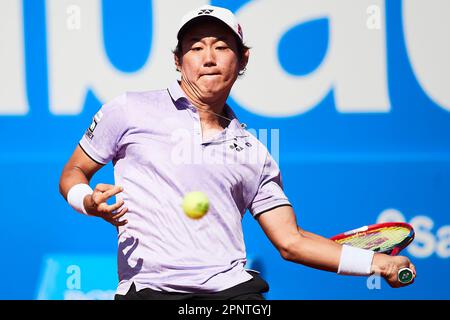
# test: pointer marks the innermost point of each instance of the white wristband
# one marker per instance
(355, 261)
(76, 194)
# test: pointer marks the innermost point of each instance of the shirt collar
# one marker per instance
(177, 95)
(235, 125)
(181, 101)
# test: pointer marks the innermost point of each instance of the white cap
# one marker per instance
(222, 14)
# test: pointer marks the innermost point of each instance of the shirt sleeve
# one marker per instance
(270, 192)
(100, 140)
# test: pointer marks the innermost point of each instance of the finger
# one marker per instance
(109, 209)
(120, 214)
(413, 268)
(109, 193)
(119, 223)
(114, 219)
(394, 282)
(103, 187)
(96, 198)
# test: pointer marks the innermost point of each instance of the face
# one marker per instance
(209, 65)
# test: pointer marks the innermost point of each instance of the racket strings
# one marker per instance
(379, 240)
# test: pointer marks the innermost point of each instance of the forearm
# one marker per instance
(314, 236)
(297, 245)
(320, 252)
(71, 176)
(74, 187)
(314, 251)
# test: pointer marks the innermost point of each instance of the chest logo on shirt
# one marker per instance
(237, 147)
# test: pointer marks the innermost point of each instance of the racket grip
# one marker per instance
(405, 275)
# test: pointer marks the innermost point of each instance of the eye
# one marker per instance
(221, 47)
(196, 48)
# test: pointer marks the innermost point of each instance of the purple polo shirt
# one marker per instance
(154, 140)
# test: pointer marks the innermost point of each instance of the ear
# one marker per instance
(244, 61)
(177, 62)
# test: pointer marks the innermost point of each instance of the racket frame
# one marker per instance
(405, 275)
(374, 227)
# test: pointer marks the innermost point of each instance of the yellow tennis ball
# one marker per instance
(195, 204)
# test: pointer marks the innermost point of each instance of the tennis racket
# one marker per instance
(389, 238)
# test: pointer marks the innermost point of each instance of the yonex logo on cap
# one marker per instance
(222, 14)
(205, 11)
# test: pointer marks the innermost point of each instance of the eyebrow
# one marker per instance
(196, 39)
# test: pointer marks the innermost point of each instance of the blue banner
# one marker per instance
(352, 99)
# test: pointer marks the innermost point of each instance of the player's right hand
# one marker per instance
(95, 204)
(388, 267)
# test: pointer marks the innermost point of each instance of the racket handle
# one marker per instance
(405, 275)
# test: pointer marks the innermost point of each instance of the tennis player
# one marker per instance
(166, 143)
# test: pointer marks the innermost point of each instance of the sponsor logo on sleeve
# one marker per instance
(90, 131)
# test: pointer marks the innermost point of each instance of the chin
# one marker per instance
(211, 89)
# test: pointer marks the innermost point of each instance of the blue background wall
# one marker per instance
(340, 171)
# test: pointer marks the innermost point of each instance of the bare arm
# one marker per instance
(297, 245)
(300, 246)
(80, 169)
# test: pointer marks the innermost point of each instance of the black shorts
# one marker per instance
(252, 289)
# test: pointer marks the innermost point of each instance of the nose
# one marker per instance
(210, 58)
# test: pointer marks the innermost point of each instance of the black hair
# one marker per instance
(241, 47)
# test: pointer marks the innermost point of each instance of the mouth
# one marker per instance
(210, 74)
